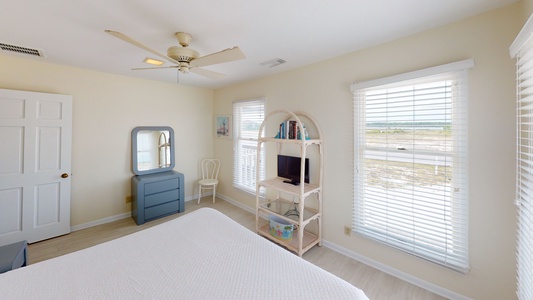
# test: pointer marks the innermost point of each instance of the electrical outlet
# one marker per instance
(128, 199)
(347, 230)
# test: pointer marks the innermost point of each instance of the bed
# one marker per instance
(200, 255)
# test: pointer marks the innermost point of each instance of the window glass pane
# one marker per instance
(410, 162)
(248, 116)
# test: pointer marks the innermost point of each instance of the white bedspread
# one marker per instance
(201, 255)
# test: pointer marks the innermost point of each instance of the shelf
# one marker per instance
(277, 183)
(281, 207)
(308, 241)
(302, 239)
(291, 141)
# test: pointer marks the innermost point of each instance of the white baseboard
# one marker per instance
(236, 203)
(113, 218)
(363, 259)
(372, 263)
(396, 273)
(100, 222)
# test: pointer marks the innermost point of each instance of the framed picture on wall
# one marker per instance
(223, 126)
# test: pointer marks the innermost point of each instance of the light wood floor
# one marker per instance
(376, 284)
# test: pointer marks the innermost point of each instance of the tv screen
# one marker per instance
(289, 168)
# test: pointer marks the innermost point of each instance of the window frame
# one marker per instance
(244, 176)
(522, 50)
(361, 226)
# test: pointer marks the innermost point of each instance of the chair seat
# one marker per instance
(208, 181)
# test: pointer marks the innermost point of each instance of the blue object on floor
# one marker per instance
(13, 256)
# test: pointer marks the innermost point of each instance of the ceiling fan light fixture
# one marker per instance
(184, 68)
(153, 61)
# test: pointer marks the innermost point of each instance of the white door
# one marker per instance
(35, 154)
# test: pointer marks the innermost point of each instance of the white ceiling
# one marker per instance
(71, 32)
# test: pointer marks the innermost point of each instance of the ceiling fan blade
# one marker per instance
(223, 56)
(207, 73)
(154, 68)
(140, 45)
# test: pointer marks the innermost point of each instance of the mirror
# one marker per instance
(152, 149)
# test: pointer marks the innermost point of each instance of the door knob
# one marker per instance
(64, 175)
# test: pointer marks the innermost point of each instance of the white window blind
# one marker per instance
(522, 49)
(410, 179)
(247, 118)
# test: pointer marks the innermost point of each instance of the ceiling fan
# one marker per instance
(187, 59)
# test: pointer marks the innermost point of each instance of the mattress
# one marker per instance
(201, 255)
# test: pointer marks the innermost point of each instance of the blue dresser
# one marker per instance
(157, 195)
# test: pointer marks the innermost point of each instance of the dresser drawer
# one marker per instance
(160, 210)
(160, 198)
(163, 185)
(157, 195)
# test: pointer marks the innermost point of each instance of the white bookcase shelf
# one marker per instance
(299, 213)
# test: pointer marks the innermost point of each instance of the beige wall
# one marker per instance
(105, 109)
(323, 90)
(527, 8)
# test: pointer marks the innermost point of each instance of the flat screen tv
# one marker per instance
(289, 168)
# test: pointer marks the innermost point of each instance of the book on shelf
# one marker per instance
(290, 130)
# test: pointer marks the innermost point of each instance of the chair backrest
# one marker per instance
(210, 167)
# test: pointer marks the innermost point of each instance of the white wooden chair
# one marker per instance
(209, 179)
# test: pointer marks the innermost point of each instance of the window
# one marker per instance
(410, 173)
(522, 49)
(247, 118)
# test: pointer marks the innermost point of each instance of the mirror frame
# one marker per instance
(134, 158)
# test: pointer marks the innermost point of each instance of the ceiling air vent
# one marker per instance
(273, 62)
(21, 50)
